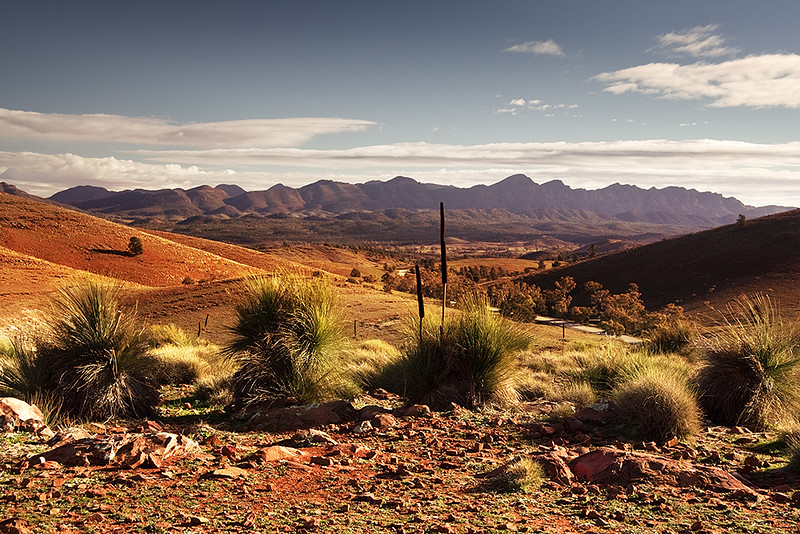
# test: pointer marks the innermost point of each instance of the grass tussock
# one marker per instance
(471, 360)
(675, 336)
(97, 355)
(365, 364)
(170, 334)
(750, 373)
(522, 475)
(22, 371)
(579, 393)
(286, 339)
(791, 437)
(659, 402)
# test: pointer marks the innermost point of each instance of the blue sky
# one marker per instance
(700, 94)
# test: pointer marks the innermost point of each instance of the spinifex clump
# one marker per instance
(97, 356)
(470, 360)
(751, 367)
(285, 339)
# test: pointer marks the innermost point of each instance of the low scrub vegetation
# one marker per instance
(750, 371)
(659, 403)
(92, 364)
(522, 475)
(471, 359)
(286, 340)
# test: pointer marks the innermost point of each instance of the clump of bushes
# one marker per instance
(750, 372)
(470, 360)
(285, 340)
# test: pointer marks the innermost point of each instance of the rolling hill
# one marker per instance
(706, 269)
(178, 279)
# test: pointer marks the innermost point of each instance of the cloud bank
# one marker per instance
(102, 128)
(755, 81)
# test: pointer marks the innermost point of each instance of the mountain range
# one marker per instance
(517, 194)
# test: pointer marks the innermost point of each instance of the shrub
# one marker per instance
(22, 372)
(216, 389)
(98, 355)
(791, 437)
(471, 360)
(660, 404)
(522, 475)
(135, 246)
(176, 364)
(366, 364)
(670, 337)
(751, 367)
(170, 334)
(603, 370)
(534, 385)
(285, 340)
(579, 392)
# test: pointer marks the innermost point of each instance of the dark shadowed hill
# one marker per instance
(704, 269)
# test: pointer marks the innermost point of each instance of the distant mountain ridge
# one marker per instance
(516, 194)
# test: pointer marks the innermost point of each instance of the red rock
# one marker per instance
(275, 453)
(129, 450)
(311, 416)
(323, 461)
(371, 410)
(384, 421)
(591, 414)
(47, 466)
(213, 441)
(573, 424)
(313, 436)
(367, 497)
(228, 451)
(753, 462)
(364, 427)
(415, 410)
(622, 467)
(589, 465)
(227, 472)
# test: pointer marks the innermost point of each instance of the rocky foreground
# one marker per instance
(335, 468)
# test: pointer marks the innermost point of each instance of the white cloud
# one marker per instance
(700, 41)
(101, 128)
(769, 80)
(546, 48)
(517, 105)
(45, 174)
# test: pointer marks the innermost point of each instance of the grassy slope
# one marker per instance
(706, 268)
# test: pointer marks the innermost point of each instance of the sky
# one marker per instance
(702, 94)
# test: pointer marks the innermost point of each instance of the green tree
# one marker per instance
(135, 246)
